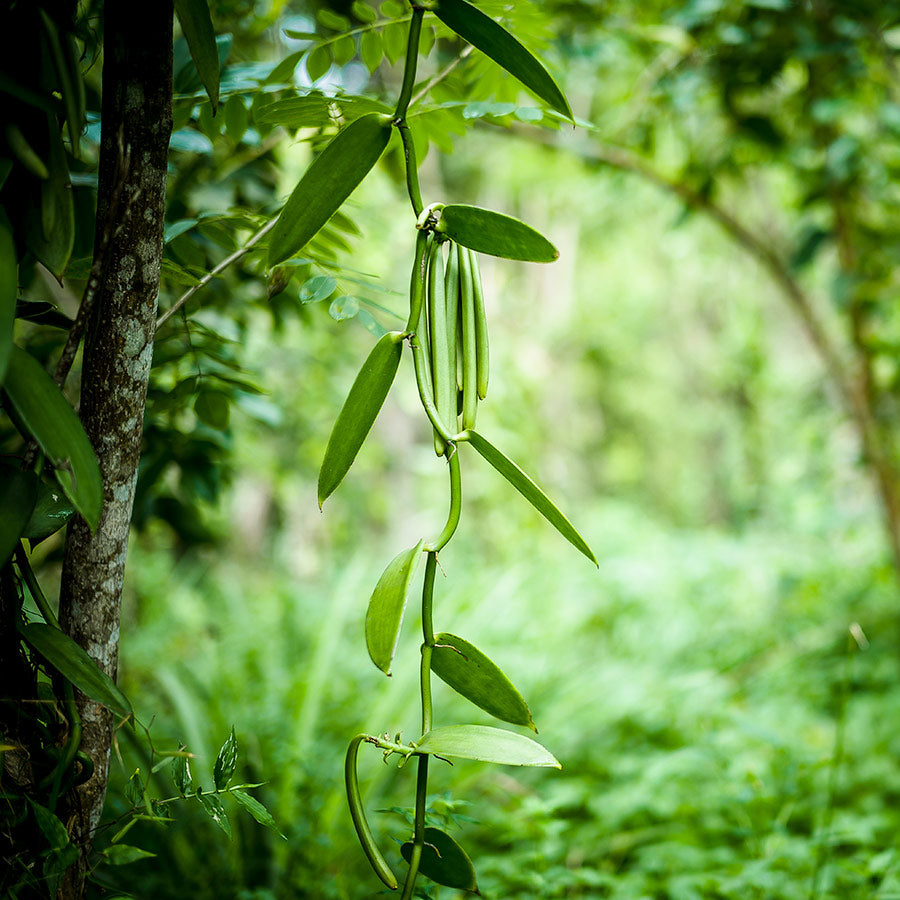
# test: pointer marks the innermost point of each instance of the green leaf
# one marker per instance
(370, 49)
(74, 664)
(214, 809)
(318, 62)
(212, 409)
(46, 413)
(359, 412)
(327, 183)
(237, 118)
(530, 491)
(394, 39)
(310, 111)
(226, 761)
(9, 289)
(363, 11)
(18, 494)
(51, 511)
(344, 50)
(496, 42)
(486, 744)
(197, 27)
(479, 679)
(50, 224)
(123, 854)
(257, 810)
(317, 288)
(134, 790)
(51, 827)
(344, 307)
(387, 605)
(444, 861)
(181, 775)
(493, 233)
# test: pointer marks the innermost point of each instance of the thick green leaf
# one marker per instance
(310, 111)
(486, 744)
(493, 233)
(386, 607)
(46, 413)
(9, 287)
(214, 809)
(123, 854)
(530, 491)
(444, 861)
(359, 412)
(496, 42)
(479, 679)
(257, 810)
(226, 762)
(74, 664)
(51, 511)
(327, 183)
(198, 31)
(51, 827)
(18, 493)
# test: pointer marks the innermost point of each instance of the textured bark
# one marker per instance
(137, 121)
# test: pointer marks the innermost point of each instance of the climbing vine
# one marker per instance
(446, 332)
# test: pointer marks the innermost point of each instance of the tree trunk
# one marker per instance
(137, 121)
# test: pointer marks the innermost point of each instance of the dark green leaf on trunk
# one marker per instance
(530, 491)
(387, 605)
(479, 679)
(198, 31)
(486, 744)
(471, 24)
(18, 494)
(51, 511)
(327, 183)
(9, 287)
(493, 233)
(46, 413)
(444, 861)
(64, 655)
(359, 412)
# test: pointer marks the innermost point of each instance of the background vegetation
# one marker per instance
(721, 694)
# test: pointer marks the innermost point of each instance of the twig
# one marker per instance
(208, 277)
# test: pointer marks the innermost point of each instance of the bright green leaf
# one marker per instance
(344, 307)
(394, 39)
(226, 761)
(330, 19)
(479, 679)
(18, 494)
(214, 809)
(197, 27)
(123, 854)
(493, 233)
(9, 289)
(387, 605)
(317, 288)
(257, 810)
(530, 491)
(318, 62)
(310, 111)
(359, 412)
(344, 50)
(444, 861)
(370, 49)
(331, 178)
(496, 42)
(363, 12)
(46, 413)
(73, 663)
(486, 744)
